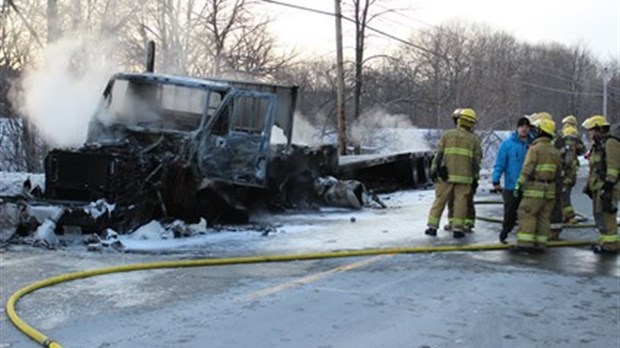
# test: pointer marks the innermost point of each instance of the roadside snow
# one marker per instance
(11, 183)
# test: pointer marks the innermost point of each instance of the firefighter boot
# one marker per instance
(431, 231)
(606, 248)
(503, 236)
(458, 234)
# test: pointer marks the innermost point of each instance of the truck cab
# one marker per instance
(163, 145)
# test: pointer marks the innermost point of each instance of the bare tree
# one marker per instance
(253, 53)
(364, 13)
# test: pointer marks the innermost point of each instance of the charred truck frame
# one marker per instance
(162, 146)
(167, 146)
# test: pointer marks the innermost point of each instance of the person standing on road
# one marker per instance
(603, 185)
(571, 147)
(537, 185)
(470, 219)
(557, 218)
(455, 170)
(508, 163)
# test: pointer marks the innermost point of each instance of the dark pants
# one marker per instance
(511, 203)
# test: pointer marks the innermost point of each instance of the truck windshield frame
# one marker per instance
(159, 103)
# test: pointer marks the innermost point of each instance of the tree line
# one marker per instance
(432, 72)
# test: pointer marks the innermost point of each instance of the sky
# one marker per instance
(594, 24)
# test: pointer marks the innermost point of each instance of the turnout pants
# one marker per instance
(534, 221)
(443, 192)
(606, 223)
(470, 219)
(567, 206)
(557, 218)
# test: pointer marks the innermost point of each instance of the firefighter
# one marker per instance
(508, 162)
(603, 185)
(569, 121)
(470, 219)
(455, 171)
(537, 187)
(557, 218)
(571, 147)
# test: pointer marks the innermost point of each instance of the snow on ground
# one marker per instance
(11, 182)
(313, 231)
(310, 231)
(305, 231)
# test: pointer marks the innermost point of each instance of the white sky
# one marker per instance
(593, 23)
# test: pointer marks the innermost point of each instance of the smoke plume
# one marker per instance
(60, 95)
(380, 132)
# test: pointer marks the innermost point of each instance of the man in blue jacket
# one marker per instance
(508, 162)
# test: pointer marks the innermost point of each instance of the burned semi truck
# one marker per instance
(162, 146)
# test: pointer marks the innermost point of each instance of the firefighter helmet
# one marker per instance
(570, 119)
(546, 126)
(465, 114)
(569, 131)
(456, 114)
(595, 121)
(538, 116)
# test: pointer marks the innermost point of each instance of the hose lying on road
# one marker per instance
(499, 221)
(48, 342)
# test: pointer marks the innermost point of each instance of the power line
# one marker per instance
(303, 8)
(544, 70)
(565, 91)
(460, 36)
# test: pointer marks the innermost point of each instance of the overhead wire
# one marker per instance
(556, 74)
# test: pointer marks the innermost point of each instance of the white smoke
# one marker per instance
(60, 95)
(380, 132)
(304, 132)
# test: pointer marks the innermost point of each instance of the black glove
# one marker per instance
(518, 192)
(587, 191)
(443, 172)
(433, 175)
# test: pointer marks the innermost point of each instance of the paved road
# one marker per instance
(563, 298)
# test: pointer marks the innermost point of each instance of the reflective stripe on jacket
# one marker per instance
(604, 171)
(459, 151)
(541, 170)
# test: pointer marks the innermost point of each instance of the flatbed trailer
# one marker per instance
(387, 172)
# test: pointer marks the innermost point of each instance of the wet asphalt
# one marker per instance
(566, 297)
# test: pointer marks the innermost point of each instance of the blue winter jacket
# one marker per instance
(509, 160)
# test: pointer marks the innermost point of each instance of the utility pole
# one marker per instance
(605, 82)
(342, 128)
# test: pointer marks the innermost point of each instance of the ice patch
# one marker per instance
(45, 235)
(98, 208)
(154, 230)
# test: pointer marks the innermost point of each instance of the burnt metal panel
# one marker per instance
(387, 172)
(285, 104)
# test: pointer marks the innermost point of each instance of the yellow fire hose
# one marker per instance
(48, 342)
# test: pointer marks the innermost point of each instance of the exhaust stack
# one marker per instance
(150, 56)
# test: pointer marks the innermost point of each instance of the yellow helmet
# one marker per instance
(570, 119)
(539, 116)
(465, 114)
(569, 131)
(595, 121)
(545, 125)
